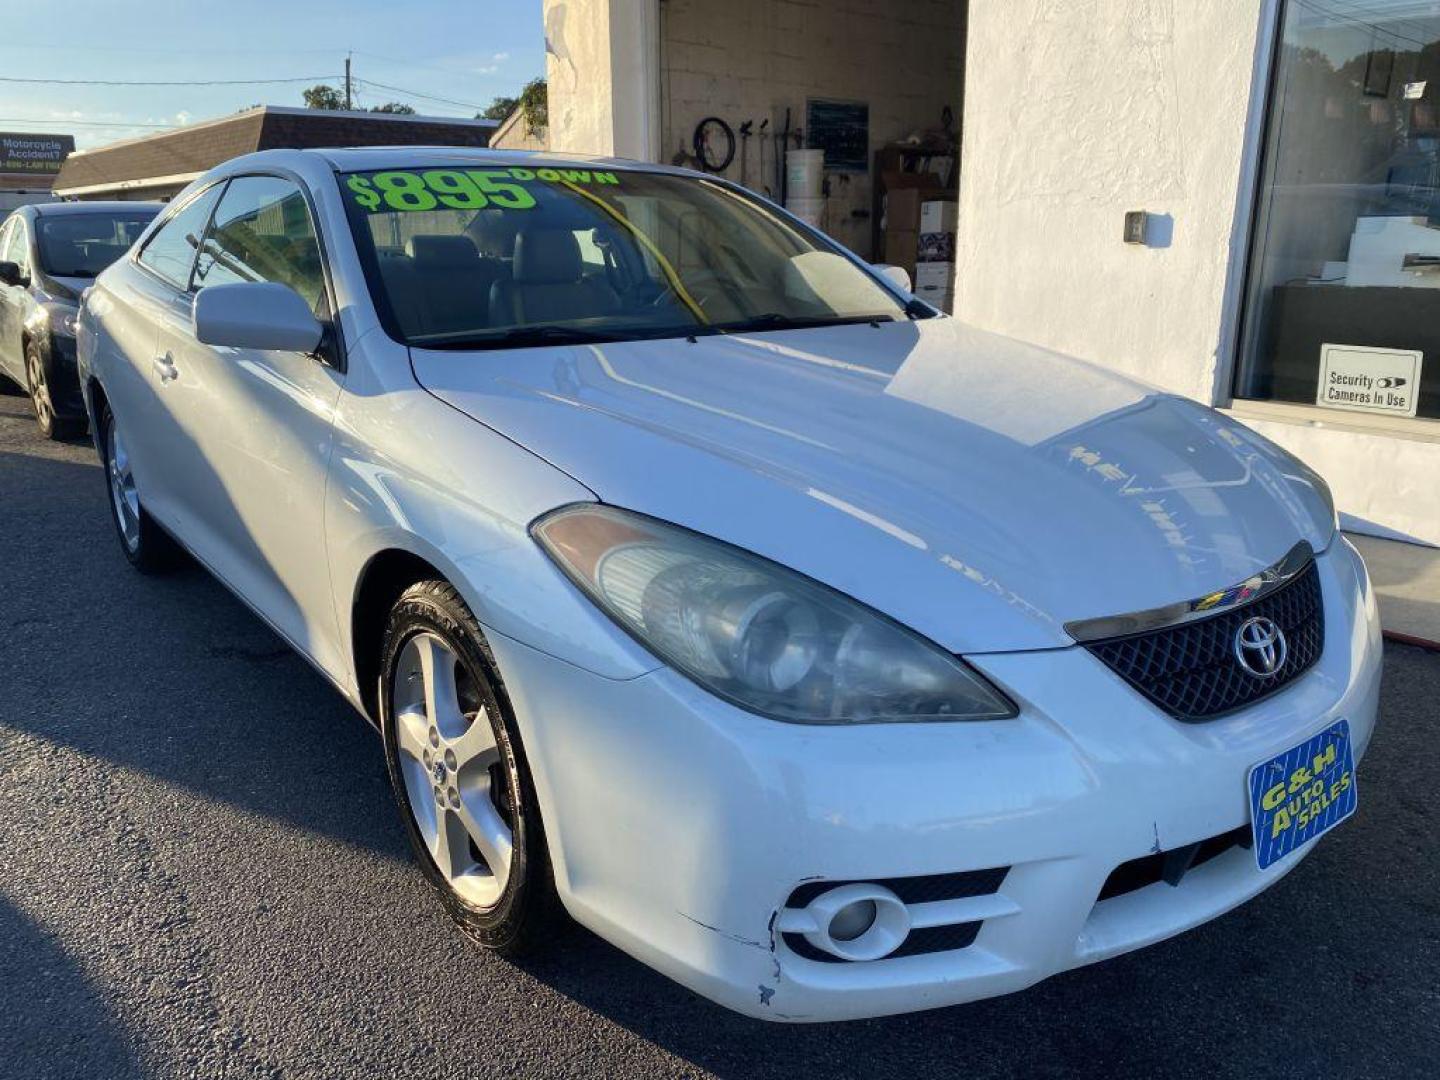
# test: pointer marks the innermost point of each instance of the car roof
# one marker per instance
(61, 209)
(363, 158)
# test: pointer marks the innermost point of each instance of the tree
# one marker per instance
(328, 97)
(499, 109)
(323, 97)
(535, 105)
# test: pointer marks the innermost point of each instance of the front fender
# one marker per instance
(429, 481)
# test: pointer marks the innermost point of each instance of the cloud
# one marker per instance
(496, 59)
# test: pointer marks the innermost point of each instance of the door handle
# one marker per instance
(165, 368)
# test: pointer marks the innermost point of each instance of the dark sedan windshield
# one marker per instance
(507, 257)
(81, 245)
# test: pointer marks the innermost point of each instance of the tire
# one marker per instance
(458, 772)
(36, 384)
(148, 547)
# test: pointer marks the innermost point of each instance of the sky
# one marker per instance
(465, 53)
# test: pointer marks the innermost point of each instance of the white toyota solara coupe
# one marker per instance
(829, 655)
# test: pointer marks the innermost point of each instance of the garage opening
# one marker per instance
(847, 114)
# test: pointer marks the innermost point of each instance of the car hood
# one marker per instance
(64, 288)
(983, 491)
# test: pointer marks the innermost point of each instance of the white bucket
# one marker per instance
(807, 210)
(804, 174)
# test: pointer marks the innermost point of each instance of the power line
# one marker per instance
(418, 94)
(185, 82)
(62, 122)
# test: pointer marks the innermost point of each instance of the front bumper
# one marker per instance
(61, 377)
(679, 825)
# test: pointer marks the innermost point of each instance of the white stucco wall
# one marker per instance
(602, 68)
(1077, 111)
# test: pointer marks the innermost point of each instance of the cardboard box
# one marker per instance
(939, 215)
(944, 299)
(905, 193)
(900, 249)
(934, 275)
(937, 247)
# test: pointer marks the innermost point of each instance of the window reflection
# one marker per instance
(1343, 299)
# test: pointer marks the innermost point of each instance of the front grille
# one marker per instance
(921, 941)
(917, 890)
(1191, 671)
(1170, 866)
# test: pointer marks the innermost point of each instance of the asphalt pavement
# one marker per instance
(202, 874)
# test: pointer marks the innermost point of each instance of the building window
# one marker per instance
(1342, 305)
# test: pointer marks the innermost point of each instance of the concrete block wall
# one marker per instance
(750, 59)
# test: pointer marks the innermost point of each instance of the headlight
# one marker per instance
(759, 635)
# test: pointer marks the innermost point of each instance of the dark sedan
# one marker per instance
(49, 254)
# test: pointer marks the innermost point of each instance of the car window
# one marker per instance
(170, 252)
(508, 257)
(81, 245)
(14, 246)
(263, 232)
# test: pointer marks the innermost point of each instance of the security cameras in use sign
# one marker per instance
(1367, 379)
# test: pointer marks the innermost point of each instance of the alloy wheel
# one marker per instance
(459, 791)
(39, 388)
(122, 486)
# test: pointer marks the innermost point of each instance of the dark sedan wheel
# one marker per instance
(148, 547)
(459, 773)
(51, 426)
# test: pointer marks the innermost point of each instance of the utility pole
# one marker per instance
(347, 81)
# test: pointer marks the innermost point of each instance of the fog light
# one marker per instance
(852, 920)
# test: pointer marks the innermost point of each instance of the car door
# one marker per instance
(261, 420)
(137, 376)
(12, 301)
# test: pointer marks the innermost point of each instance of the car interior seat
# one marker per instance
(548, 282)
(452, 282)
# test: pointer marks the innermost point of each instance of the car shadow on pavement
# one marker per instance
(172, 676)
(75, 1034)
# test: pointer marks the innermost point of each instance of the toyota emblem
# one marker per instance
(1260, 647)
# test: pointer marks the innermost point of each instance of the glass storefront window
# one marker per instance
(1342, 306)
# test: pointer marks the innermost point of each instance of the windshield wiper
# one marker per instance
(522, 337)
(775, 320)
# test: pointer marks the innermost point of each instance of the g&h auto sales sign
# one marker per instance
(41, 155)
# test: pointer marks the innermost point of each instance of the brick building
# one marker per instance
(158, 166)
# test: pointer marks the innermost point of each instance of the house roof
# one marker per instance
(173, 158)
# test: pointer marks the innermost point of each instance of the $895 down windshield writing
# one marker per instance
(459, 189)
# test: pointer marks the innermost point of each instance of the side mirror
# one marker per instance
(896, 275)
(11, 274)
(256, 315)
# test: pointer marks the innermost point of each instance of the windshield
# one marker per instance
(81, 245)
(505, 257)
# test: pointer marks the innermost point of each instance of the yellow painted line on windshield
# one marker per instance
(648, 245)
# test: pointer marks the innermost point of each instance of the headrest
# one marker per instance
(547, 257)
(442, 250)
(494, 231)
